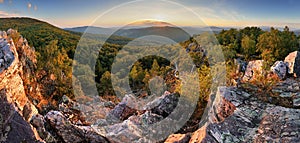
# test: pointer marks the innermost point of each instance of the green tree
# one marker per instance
(275, 45)
(248, 47)
(146, 78)
(155, 68)
(290, 41)
(105, 84)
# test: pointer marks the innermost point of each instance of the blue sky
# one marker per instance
(69, 13)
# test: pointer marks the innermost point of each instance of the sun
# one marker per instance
(159, 17)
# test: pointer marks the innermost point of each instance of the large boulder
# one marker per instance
(280, 68)
(293, 60)
(254, 69)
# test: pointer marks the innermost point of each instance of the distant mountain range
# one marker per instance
(150, 27)
(136, 31)
(108, 31)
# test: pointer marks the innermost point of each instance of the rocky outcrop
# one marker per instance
(17, 108)
(293, 60)
(254, 69)
(283, 69)
(138, 127)
(239, 116)
(72, 133)
(234, 114)
(289, 90)
(20, 119)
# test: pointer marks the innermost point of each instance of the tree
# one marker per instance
(155, 68)
(248, 47)
(105, 84)
(230, 38)
(146, 78)
(275, 45)
(290, 41)
(55, 61)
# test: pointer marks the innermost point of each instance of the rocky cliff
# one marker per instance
(239, 116)
(20, 95)
(16, 109)
(234, 114)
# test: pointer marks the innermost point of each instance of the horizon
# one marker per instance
(263, 27)
(218, 13)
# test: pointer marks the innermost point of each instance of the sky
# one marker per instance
(112, 13)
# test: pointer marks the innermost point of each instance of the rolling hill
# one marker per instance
(92, 30)
(179, 34)
(39, 33)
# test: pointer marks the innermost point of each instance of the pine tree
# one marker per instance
(155, 68)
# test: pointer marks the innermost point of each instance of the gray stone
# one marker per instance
(1, 62)
(241, 65)
(286, 94)
(296, 102)
(293, 60)
(14, 128)
(251, 121)
(280, 69)
(3, 34)
(6, 55)
(72, 133)
(254, 69)
(3, 42)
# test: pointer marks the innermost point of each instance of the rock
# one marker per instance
(280, 68)
(166, 105)
(120, 113)
(125, 109)
(1, 63)
(178, 138)
(86, 110)
(3, 42)
(254, 69)
(13, 95)
(286, 94)
(241, 65)
(72, 133)
(86, 114)
(39, 123)
(3, 34)
(293, 60)
(296, 102)
(14, 128)
(249, 120)
(137, 127)
(11, 31)
(6, 55)
(233, 114)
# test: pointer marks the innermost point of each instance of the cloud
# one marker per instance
(29, 5)
(4, 14)
(1, 1)
(35, 8)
